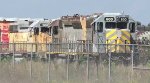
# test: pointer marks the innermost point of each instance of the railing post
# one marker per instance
(109, 67)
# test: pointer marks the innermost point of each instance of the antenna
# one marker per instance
(122, 12)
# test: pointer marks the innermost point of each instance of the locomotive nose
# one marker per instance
(118, 37)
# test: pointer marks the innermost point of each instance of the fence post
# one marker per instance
(49, 62)
(87, 43)
(97, 70)
(132, 58)
(68, 63)
(132, 62)
(13, 55)
(87, 68)
(67, 68)
(31, 60)
(109, 67)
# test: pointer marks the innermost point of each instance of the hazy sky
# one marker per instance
(138, 9)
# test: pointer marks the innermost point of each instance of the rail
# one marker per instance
(71, 48)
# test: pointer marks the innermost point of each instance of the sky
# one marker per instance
(137, 9)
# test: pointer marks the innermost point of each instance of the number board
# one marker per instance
(109, 19)
(123, 19)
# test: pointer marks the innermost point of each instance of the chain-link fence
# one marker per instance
(74, 62)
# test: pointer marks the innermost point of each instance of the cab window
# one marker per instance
(110, 25)
(99, 27)
(132, 27)
(122, 25)
(36, 31)
(13, 28)
(55, 30)
(93, 27)
(44, 29)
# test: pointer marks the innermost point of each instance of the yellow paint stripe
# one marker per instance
(120, 41)
(109, 37)
(121, 48)
(113, 37)
(109, 33)
(124, 38)
(128, 38)
(123, 41)
(127, 33)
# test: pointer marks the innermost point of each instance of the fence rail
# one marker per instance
(65, 48)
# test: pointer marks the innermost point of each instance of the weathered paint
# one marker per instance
(84, 30)
(28, 37)
(37, 40)
(18, 38)
(4, 32)
(4, 26)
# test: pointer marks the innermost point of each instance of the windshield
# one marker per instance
(121, 25)
(110, 25)
(113, 25)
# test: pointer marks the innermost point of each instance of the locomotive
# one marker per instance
(24, 36)
(113, 32)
